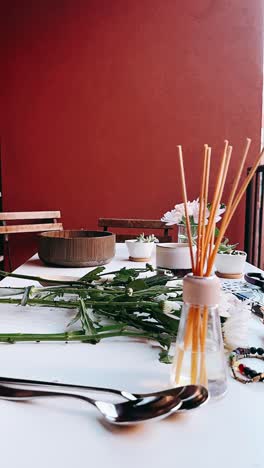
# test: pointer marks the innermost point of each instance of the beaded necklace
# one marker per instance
(250, 375)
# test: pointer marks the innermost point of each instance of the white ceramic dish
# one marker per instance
(231, 264)
(174, 256)
(139, 250)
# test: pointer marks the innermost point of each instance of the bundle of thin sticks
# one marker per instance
(207, 244)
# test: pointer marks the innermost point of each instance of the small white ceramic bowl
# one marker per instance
(139, 250)
(174, 256)
(230, 264)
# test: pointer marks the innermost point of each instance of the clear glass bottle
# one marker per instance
(182, 233)
(199, 354)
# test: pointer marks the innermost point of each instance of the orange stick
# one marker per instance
(195, 345)
(201, 211)
(203, 376)
(185, 200)
(207, 174)
(187, 341)
(215, 197)
(212, 240)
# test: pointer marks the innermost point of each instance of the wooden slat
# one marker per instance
(30, 228)
(132, 223)
(9, 216)
(124, 237)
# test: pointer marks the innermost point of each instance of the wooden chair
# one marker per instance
(254, 222)
(48, 221)
(138, 224)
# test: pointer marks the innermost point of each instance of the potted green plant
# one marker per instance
(140, 249)
(230, 261)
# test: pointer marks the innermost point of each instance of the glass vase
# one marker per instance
(199, 353)
(182, 233)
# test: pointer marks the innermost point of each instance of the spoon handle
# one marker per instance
(42, 383)
(23, 393)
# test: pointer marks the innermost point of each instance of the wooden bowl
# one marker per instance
(76, 248)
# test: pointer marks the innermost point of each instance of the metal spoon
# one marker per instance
(198, 393)
(126, 413)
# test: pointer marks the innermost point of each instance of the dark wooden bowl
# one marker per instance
(76, 248)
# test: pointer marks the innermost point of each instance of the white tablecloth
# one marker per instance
(67, 433)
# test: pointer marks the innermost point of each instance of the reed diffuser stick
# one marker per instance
(215, 196)
(185, 200)
(201, 211)
(203, 376)
(195, 344)
(207, 175)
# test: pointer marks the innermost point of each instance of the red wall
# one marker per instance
(97, 94)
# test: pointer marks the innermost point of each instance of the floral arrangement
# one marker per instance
(177, 215)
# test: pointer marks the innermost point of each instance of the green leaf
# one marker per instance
(156, 280)
(26, 295)
(92, 275)
(137, 285)
(86, 321)
(170, 323)
(216, 232)
(165, 357)
(75, 319)
(125, 276)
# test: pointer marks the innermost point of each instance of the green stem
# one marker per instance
(5, 274)
(142, 270)
(29, 337)
(75, 304)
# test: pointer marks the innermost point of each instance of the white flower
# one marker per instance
(170, 306)
(177, 215)
(171, 217)
(161, 297)
(237, 325)
(194, 211)
(178, 283)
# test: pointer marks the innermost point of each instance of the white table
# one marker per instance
(66, 433)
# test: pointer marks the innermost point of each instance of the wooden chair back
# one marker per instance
(254, 222)
(50, 223)
(47, 221)
(141, 225)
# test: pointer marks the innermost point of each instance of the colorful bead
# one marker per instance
(260, 351)
(246, 370)
(253, 350)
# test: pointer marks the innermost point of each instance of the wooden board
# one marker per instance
(8, 216)
(30, 228)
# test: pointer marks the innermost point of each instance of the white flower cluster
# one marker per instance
(236, 326)
(177, 215)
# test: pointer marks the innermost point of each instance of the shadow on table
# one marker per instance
(38, 262)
